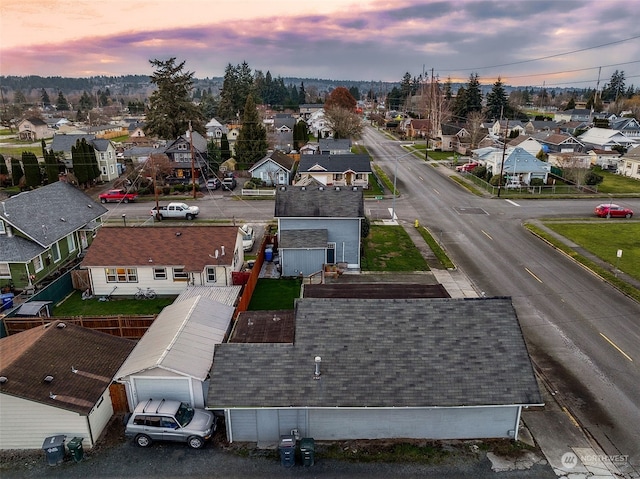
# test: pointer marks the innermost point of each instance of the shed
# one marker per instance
(35, 308)
(173, 358)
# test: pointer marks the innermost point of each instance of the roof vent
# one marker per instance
(63, 220)
(355, 188)
(3, 379)
(321, 188)
(90, 206)
(303, 188)
(337, 188)
(48, 379)
(61, 325)
(178, 233)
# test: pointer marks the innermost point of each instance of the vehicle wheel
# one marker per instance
(159, 216)
(195, 442)
(151, 295)
(143, 440)
(126, 200)
(103, 200)
(628, 215)
(138, 295)
(189, 216)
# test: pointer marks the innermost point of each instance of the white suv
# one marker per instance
(163, 420)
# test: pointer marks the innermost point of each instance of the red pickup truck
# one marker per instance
(117, 196)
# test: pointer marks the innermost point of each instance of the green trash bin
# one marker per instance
(308, 451)
(75, 448)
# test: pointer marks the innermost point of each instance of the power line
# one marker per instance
(551, 56)
(571, 71)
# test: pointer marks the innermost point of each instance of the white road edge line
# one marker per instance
(512, 202)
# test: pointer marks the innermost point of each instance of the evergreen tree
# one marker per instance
(214, 156)
(405, 87)
(251, 144)
(170, 106)
(44, 97)
(300, 134)
(86, 102)
(208, 106)
(497, 102)
(228, 108)
(302, 95)
(448, 92)
(62, 104)
(355, 93)
(19, 98)
(80, 163)
(460, 103)
(571, 104)
(615, 88)
(50, 164)
(473, 95)
(94, 169)
(32, 175)
(225, 148)
(16, 172)
(4, 171)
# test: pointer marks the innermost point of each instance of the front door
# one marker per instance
(331, 253)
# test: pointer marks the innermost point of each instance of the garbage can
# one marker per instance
(53, 446)
(75, 448)
(7, 301)
(268, 254)
(307, 451)
(287, 450)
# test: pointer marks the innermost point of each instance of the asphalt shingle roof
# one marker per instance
(336, 163)
(297, 202)
(313, 238)
(383, 353)
(28, 357)
(49, 213)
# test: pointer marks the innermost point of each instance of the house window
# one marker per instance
(55, 252)
(182, 146)
(37, 263)
(338, 177)
(104, 170)
(211, 274)
(71, 243)
(121, 275)
(180, 275)
(159, 273)
(5, 272)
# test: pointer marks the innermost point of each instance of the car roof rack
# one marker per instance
(160, 405)
(144, 409)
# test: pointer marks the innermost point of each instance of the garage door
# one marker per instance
(162, 388)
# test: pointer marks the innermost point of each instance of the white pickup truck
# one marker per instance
(175, 210)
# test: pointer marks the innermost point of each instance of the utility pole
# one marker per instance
(504, 151)
(193, 165)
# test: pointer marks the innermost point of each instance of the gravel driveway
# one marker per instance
(115, 457)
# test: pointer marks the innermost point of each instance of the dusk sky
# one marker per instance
(530, 42)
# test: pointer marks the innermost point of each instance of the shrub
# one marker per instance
(593, 179)
(537, 182)
(166, 190)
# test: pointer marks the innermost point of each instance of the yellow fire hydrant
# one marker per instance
(416, 224)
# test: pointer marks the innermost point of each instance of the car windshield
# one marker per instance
(184, 415)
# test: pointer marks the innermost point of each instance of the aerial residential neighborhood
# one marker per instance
(344, 267)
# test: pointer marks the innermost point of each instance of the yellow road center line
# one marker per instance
(486, 234)
(615, 346)
(571, 418)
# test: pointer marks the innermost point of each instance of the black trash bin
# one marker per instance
(53, 446)
(287, 450)
(308, 451)
(75, 448)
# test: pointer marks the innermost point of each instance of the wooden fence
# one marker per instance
(129, 327)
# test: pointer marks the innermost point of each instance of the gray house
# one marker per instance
(334, 170)
(379, 368)
(44, 230)
(276, 168)
(318, 226)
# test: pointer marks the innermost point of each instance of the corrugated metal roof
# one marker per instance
(181, 339)
(222, 294)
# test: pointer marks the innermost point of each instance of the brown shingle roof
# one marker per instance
(53, 350)
(184, 246)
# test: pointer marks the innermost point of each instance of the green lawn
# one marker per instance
(275, 294)
(605, 239)
(617, 184)
(75, 306)
(16, 150)
(389, 248)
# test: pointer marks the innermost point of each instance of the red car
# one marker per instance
(611, 210)
(467, 166)
(117, 196)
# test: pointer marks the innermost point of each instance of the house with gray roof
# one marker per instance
(380, 369)
(332, 146)
(518, 165)
(33, 129)
(334, 170)
(62, 143)
(318, 226)
(629, 127)
(179, 153)
(276, 168)
(44, 230)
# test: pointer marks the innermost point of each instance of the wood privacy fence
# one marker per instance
(129, 327)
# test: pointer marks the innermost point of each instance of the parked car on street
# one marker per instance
(229, 183)
(213, 184)
(467, 166)
(117, 196)
(611, 210)
(175, 210)
(164, 420)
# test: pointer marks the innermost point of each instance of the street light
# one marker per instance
(395, 180)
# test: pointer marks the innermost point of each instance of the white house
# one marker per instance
(605, 139)
(106, 156)
(630, 164)
(55, 379)
(167, 259)
(173, 358)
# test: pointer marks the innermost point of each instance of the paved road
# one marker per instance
(584, 335)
